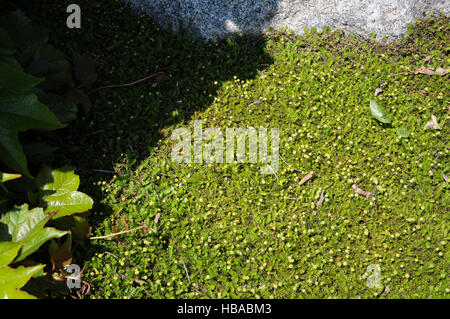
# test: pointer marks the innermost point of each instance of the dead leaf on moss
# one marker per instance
(423, 70)
(305, 179)
(359, 191)
(442, 71)
(321, 199)
(429, 71)
(433, 124)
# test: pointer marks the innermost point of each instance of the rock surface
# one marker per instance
(220, 18)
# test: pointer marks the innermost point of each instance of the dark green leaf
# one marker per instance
(39, 153)
(16, 80)
(18, 113)
(64, 109)
(47, 61)
(23, 32)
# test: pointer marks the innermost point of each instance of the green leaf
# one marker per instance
(378, 112)
(58, 191)
(21, 224)
(8, 251)
(77, 225)
(12, 279)
(12, 61)
(47, 61)
(16, 80)
(4, 177)
(18, 113)
(403, 132)
(60, 253)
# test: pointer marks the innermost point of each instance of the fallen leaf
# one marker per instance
(378, 112)
(255, 103)
(157, 217)
(423, 70)
(442, 71)
(306, 178)
(445, 177)
(378, 91)
(428, 58)
(433, 124)
(429, 71)
(359, 191)
(321, 199)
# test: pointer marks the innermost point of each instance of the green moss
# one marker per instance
(236, 232)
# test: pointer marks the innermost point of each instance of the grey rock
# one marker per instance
(212, 19)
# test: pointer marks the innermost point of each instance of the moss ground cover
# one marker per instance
(225, 230)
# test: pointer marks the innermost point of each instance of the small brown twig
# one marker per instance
(121, 232)
(127, 84)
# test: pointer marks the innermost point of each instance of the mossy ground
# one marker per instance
(226, 230)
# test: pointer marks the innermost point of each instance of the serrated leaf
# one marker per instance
(58, 190)
(12, 61)
(378, 112)
(21, 224)
(15, 80)
(403, 132)
(18, 113)
(58, 82)
(77, 225)
(48, 61)
(64, 109)
(12, 279)
(8, 251)
(60, 253)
